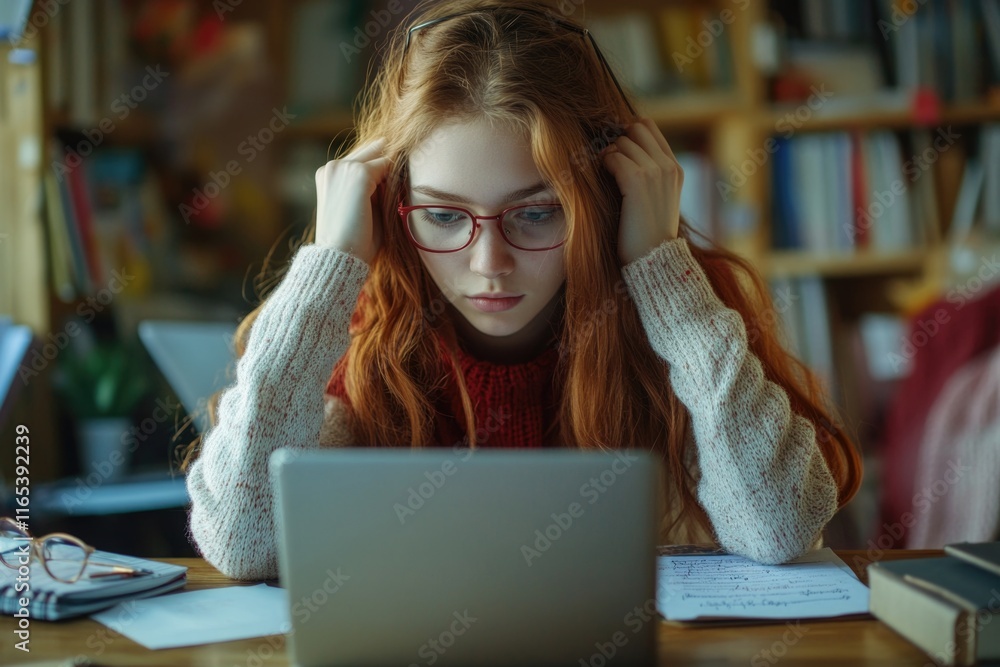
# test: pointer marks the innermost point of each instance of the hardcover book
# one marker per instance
(946, 606)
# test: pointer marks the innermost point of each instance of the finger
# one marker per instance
(635, 152)
(379, 166)
(646, 139)
(614, 161)
(366, 151)
(657, 135)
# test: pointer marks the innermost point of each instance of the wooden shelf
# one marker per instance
(699, 110)
(136, 128)
(777, 118)
(696, 110)
(972, 113)
(794, 263)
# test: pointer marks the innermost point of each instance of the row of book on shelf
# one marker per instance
(92, 47)
(843, 356)
(103, 215)
(855, 46)
(840, 192)
(676, 48)
(858, 47)
(832, 192)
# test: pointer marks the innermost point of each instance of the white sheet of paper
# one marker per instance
(201, 617)
(711, 587)
(825, 555)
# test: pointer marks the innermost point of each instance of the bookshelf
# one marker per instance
(724, 121)
(843, 292)
(736, 92)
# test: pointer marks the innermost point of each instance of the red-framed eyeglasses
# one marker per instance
(443, 228)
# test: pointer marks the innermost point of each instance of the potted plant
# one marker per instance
(102, 382)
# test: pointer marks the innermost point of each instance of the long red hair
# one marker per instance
(524, 70)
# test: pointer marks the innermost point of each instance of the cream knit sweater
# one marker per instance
(761, 476)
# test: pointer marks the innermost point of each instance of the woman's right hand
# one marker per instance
(348, 214)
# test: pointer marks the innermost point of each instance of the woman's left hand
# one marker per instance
(650, 180)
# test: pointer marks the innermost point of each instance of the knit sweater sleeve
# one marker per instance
(764, 482)
(277, 400)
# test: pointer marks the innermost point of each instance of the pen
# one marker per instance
(120, 571)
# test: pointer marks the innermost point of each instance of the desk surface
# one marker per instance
(824, 642)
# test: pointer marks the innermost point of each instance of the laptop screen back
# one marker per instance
(448, 557)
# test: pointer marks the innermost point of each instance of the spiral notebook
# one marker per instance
(51, 600)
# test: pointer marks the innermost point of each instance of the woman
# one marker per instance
(581, 318)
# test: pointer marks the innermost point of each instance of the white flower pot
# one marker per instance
(103, 454)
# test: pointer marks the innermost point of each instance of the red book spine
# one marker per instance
(84, 220)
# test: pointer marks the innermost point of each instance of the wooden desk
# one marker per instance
(826, 642)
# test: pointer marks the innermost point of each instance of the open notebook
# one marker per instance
(51, 600)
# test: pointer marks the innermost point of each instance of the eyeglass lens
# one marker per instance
(64, 559)
(12, 544)
(445, 228)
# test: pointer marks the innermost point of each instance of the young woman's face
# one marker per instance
(486, 169)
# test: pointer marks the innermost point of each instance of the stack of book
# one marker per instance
(947, 606)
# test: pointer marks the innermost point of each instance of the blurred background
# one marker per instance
(153, 153)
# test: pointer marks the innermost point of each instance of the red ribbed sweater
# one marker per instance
(498, 392)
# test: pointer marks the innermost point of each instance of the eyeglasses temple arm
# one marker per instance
(607, 67)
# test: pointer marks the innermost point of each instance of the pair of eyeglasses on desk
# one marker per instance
(65, 558)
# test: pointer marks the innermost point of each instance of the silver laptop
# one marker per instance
(454, 557)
